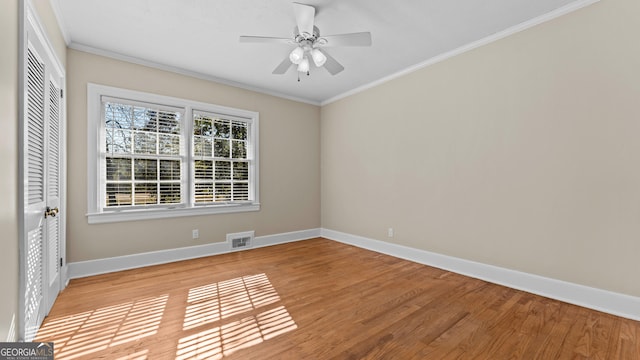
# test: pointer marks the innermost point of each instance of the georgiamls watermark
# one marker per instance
(26, 351)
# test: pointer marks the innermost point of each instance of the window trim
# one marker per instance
(95, 214)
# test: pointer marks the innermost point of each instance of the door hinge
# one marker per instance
(60, 262)
(61, 93)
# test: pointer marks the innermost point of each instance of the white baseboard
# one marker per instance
(606, 301)
(64, 275)
(597, 299)
(102, 266)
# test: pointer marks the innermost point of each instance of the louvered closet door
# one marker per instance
(42, 160)
(34, 196)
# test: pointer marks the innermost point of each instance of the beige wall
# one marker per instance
(522, 154)
(9, 161)
(289, 163)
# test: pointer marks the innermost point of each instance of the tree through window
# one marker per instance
(143, 149)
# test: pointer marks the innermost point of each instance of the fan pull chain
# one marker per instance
(308, 73)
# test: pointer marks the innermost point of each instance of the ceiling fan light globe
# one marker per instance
(318, 57)
(304, 65)
(297, 55)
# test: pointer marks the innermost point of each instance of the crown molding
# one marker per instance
(181, 71)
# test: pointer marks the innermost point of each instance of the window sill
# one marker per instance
(149, 214)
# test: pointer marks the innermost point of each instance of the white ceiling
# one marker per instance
(201, 36)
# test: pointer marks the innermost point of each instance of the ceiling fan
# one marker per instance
(309, 45)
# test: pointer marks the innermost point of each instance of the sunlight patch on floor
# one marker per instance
(214, 302)
(88, 332)
(217, 342)
(236, 297)
(209, 321)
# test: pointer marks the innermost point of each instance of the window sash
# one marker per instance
(137, 181)
(129, 183)
(225, 184)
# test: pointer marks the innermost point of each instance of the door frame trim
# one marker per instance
(30, 25)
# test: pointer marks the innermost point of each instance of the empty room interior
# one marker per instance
(321, 180)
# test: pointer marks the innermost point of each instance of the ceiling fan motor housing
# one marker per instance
(301, 38)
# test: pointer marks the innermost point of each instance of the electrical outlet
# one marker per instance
(195, 234)
(390, 232)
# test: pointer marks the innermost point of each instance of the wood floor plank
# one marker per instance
(319, 299)
(556, 339)
(463, 337)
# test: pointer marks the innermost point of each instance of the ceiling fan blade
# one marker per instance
(354, 39)
(283, 67)
(304, 17)
(265, 39)
(332, 65)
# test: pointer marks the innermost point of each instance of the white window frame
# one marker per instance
(97, 213)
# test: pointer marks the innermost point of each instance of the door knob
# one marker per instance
(51, 212)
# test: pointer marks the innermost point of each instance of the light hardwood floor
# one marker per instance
(319, 299)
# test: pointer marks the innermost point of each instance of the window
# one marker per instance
(142, 154)
(152, 156)
(221, 165)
